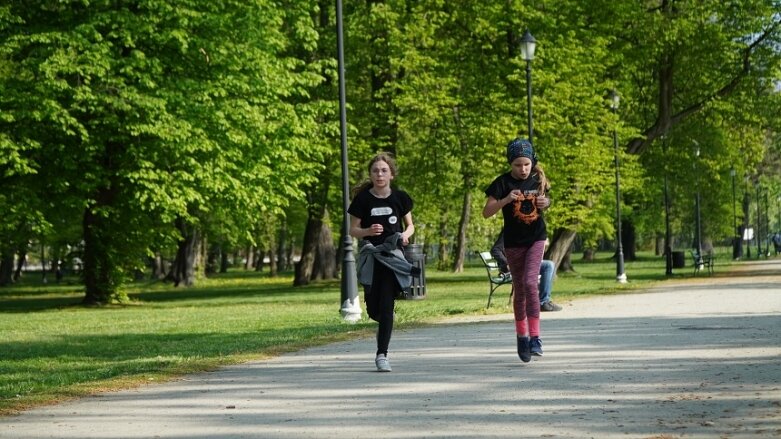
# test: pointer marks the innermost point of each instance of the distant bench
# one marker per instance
(702, 262)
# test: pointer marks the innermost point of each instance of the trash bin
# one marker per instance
(679, 259)
(417, 290)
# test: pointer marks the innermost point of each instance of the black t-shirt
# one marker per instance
(388, 211)
(523, 222)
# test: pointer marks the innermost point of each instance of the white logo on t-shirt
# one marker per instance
(393, 219)
(381, 211)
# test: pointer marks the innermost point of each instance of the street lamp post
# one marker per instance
(778, 208)
(620, 273)
(350, 305)
(767, 224)
(777, 234)
(528, 45)
(668, 251)
(737, 245)
(747, 220)
(758, 232)
(697, 218)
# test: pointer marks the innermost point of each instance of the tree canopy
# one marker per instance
(132, 128)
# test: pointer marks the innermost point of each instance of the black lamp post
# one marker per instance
(778, 225)
(528, 45)
(620, 274)
(350, 305)
(767, 224)
(698, 225)
(668, 251)
(778, 209)
(747, 212)
(758, 233)
(737, 245)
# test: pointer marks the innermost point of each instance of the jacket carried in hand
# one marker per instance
(389, 254)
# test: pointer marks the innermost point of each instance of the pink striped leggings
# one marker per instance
(524, 265)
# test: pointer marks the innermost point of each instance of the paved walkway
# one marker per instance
(693, 359)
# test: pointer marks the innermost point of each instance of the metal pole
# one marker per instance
(767, 225)
(620, 274)
(698, 224)
(668, 255)
(350, 305)
(759, 225)
(697, 218)
(529, 100)
(737, 244)
(747, 220)
(778, 208)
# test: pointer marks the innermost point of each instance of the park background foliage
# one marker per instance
(176, 136)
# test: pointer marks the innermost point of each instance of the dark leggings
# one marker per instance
(380, 301)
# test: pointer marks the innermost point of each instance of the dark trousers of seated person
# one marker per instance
(380, 302)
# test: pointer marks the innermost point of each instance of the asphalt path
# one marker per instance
(699, 358)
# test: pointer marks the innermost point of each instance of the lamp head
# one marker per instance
(528, 44)
(614, 99)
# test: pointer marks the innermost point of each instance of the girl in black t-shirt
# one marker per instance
(521, 196)
(377, 212)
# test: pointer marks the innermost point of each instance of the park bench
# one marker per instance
(702, 262)
(495, 278)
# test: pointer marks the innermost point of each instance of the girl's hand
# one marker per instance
(404, 240)
(375, 230)
(542, 202)
(514, 195)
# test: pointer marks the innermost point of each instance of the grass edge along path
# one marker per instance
(53, 349)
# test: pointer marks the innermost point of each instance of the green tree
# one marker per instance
(160, 114)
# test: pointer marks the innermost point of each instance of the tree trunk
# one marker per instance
(102, 276)
(468, 183)
(211, 259)
(316, 196)
(249, 260)
(261, 255)
(158, 267)
(463, 224)
(224, 263)
(588, 254)
(272, 264)
(6, 268)
(291, 243)
(282, 262)
(325, 256)
(444, 244)
(305, 266)
(560, 249)
(20, 262)
(184, 264)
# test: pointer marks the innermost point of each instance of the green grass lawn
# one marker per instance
(53, 349)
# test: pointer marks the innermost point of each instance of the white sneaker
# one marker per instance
(382, 363)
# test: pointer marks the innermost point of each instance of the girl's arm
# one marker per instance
(359, 232)
(409, 228)
(492, 205)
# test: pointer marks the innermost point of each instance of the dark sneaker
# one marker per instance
(535, 346)
(506, 277)
(524, 351)
(550, 306)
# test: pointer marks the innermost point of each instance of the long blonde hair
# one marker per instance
(380, 157)
(544, 182)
